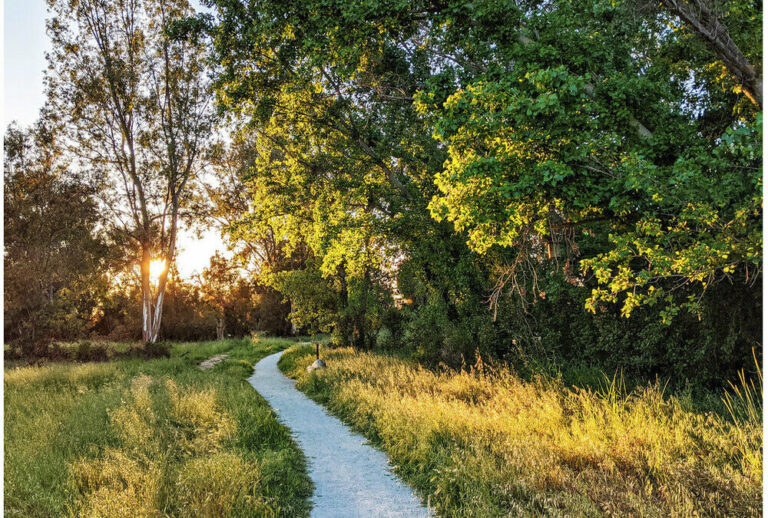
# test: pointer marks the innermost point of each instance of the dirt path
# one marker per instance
(351, 478)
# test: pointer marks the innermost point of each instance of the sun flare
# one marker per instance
(156, 269)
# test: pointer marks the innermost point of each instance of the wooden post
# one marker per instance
(317, 350)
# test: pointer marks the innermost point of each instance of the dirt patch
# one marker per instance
(212, 361)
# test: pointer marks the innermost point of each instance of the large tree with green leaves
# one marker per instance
(136, 105)
(458, 154)
(559, 125)
(323, 174)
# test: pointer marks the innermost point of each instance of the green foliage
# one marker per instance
(270, 311)
(386, 340)
(688, 351)
(86, 351)
(677, 204)
(226, 291)
(425, 330)
(706, 227)
(157, 350)
(497, 153)
(56, 263)
(312, 298)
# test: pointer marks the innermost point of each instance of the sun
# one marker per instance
(156, 269)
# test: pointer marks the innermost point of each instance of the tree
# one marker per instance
(56, 263)
(668, 212)
(504, 107)
(135, 103)
(460, 153)
(323, 175)
(218, 284)
(259, 250)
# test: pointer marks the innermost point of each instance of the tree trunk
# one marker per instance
(146, 296)
(153, 324)
(220, 328)
(152, 304)
(701, 17)
(343, 323)
(362, 317)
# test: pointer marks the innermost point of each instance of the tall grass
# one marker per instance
(149, 438)
(744, 403)
(483, 442)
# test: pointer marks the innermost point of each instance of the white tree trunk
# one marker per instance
(152, 320)
(146, 299)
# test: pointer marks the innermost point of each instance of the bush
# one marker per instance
(706, 352)
(425, 332)
(270, 312)
(189, 331)
(385, 339)
(12, 352)
(148, 351)
(393, 319)
(338, 338)
(439, 333)
(88, 352)
(157, 350)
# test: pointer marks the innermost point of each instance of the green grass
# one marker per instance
(486, 442)
(159, 437)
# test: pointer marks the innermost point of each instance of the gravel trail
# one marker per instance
(351, 478)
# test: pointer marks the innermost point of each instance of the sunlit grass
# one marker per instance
(744, 403)
(149, 438)
(485, 442)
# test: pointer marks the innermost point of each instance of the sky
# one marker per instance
(24, 46)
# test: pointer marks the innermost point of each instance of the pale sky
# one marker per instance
(25, 44)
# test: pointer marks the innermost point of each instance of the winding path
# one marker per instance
(351, 478)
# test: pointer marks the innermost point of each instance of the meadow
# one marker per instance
(483, 442)
(136, 437)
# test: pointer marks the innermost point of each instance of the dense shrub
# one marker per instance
(699, 351)
(425, 330)
(56, 259)
(270, 312)
(191, 331)
(386, 340)
(147, 351)
(707, 351)
(89, 352)
(156, 350)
